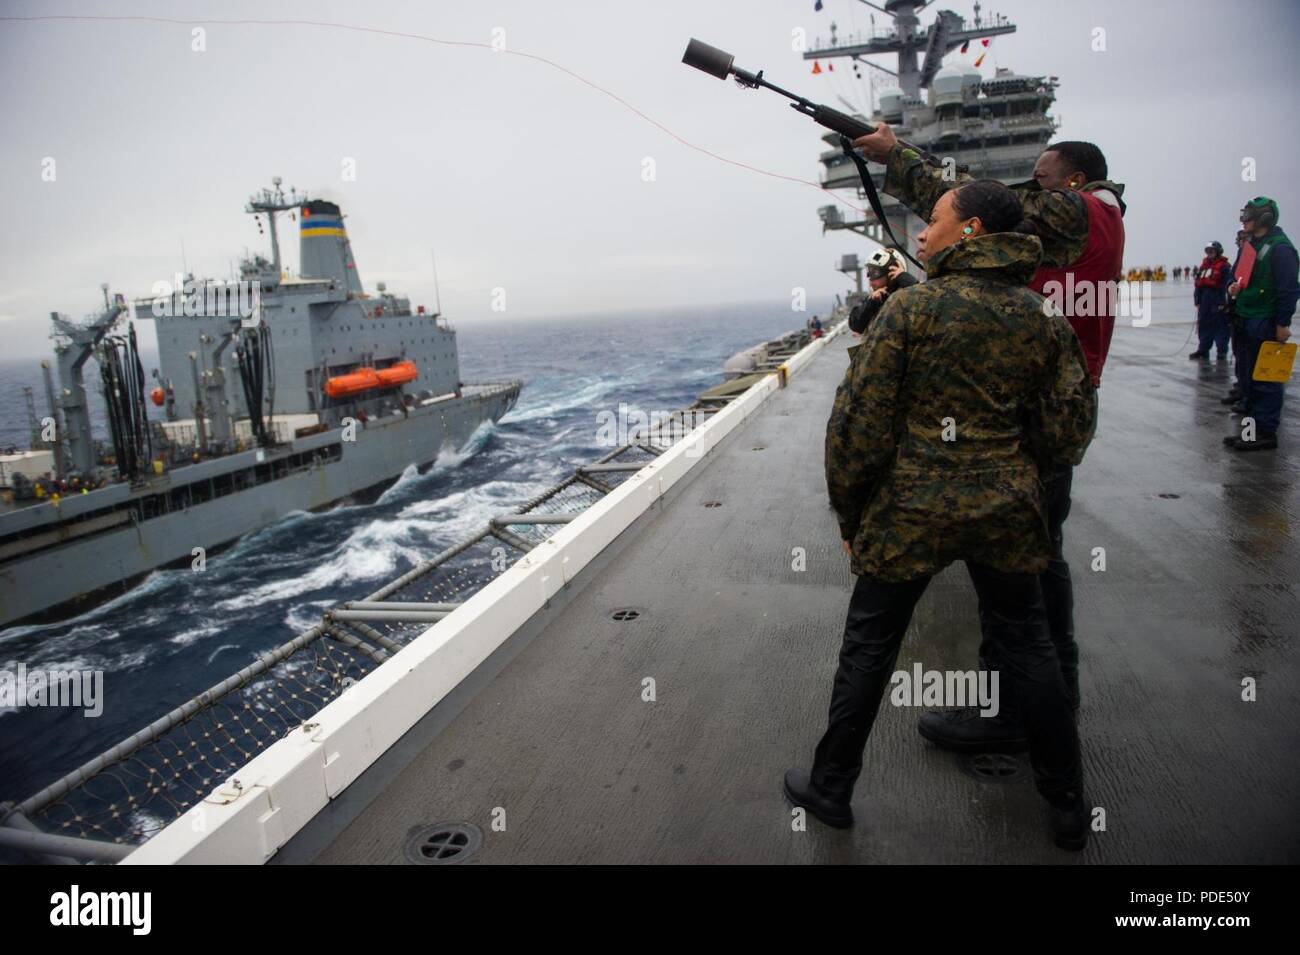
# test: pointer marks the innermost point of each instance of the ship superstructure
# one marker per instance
(995, 127)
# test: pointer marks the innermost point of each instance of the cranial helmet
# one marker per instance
(881, 261)
(882, 258)
(1261, 210)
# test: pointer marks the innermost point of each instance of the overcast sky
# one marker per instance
(524, 177)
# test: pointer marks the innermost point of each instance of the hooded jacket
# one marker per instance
(961, 391)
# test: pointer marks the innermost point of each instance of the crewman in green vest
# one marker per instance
(1264, 306)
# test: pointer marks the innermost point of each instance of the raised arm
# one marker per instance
(1059, 217)
(908, 177)
(916, 183)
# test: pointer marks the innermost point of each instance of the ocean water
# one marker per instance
(178, 633)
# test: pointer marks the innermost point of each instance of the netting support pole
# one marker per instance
(345, 638)
(370, 633)
(511, 538)
(54, 849)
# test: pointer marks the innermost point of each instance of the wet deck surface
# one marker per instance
(1197, 593)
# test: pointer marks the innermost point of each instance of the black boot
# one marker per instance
(1199, 354)
(801, 792)
(1264, 441)
(1069, 821)
(965, 731)
(1240, 408)
(1231, 398)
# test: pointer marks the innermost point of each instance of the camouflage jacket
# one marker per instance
(960, 392)
(1060, 216)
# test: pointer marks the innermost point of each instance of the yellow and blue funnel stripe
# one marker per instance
(318, 224)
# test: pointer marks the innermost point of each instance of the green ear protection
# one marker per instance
(1261, 210)
(967, 231)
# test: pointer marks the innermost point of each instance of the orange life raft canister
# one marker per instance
(364, 379)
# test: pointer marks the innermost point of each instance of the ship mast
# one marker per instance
(948, 32)
(272, 202)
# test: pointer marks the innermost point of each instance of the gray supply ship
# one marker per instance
(297, 391)
(996, 127)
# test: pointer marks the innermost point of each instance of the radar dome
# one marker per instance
(946, 86)
(891, 104)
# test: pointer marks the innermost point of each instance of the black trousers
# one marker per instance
(1058, 596)
(879, 613)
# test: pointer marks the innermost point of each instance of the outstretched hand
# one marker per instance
(876, 146)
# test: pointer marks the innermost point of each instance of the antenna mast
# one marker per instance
(273, 201)
(437, 295)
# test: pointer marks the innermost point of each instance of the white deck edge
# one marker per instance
(247, 819)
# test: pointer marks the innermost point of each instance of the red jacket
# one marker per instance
(1102, 261)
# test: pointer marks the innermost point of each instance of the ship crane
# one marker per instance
(74, 447)
(213, 385)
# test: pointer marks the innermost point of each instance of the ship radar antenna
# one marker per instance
(919, 51)
(273, 201)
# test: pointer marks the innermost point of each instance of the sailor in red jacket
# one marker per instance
(1212, 279)
(1077, 214)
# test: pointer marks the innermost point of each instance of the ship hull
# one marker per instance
(71, 578)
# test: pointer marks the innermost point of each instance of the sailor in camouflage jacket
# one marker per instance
(960, 393)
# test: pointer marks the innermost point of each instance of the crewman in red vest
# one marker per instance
(1209, 296)
(1077, 214)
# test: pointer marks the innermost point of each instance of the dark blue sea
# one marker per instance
(178, 633)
